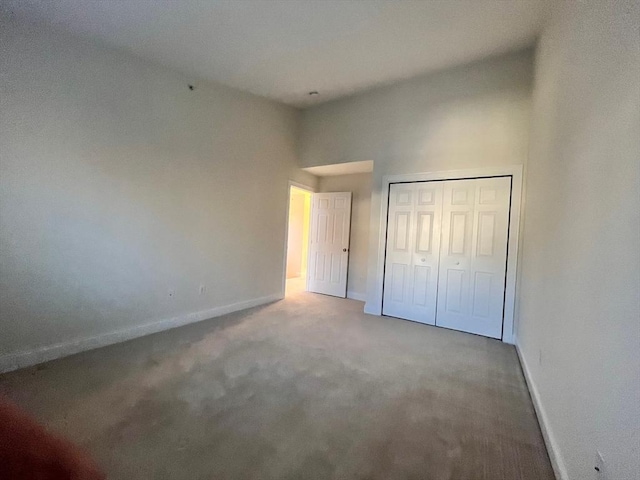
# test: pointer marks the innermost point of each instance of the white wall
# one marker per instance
(119, 184)
(579, 310)
(360, 186)
(468, 117)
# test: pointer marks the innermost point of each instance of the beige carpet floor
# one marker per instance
(306, 388)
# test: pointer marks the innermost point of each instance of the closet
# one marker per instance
(446, 253)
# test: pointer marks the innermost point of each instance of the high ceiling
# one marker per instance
(283, 49)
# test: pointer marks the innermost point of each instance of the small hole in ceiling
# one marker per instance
(313, 93)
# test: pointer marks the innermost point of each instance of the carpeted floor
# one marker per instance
(306, 388)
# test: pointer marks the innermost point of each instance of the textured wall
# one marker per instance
(579, 327)
(469, 117)
(119, 185)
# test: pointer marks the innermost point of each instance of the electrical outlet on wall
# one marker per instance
(601, 474)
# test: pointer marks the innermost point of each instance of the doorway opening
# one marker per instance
(298, 240)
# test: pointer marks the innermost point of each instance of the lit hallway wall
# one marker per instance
(298, 233)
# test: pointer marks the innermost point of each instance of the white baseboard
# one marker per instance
(550, 441)
(14, 361)
(361, 297)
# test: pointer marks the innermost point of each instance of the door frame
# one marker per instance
(515, 172)
(309, 189)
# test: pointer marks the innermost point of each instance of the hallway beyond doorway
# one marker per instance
(298, 234)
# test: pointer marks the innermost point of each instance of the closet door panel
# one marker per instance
(471, 278)
(412, 251)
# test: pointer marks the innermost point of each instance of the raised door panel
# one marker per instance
(424, 232)
(401, 231)
(422, 285)
(397, 282)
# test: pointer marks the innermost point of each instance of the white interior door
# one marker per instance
(473, 255)
(413, 247)
(329, 244)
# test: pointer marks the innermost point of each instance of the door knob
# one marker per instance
(423, 260)
(344, 249)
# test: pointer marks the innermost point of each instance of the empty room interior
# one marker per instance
(320, 239)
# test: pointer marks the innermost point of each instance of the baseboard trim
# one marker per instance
(559, 468)
(15, 361)
(361, 297)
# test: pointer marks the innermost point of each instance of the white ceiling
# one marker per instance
(282, 49)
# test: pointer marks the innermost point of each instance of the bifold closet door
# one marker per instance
(473, 255)
(413, 245)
